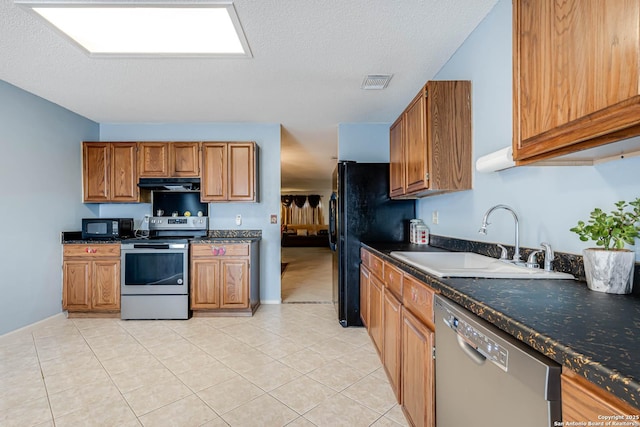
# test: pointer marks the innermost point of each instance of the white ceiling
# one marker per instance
(309, 59)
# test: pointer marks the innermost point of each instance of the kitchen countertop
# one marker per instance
(222, 240)
(213, 237)
(595, 334)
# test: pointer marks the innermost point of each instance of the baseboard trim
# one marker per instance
(32, 326)
(271, 301)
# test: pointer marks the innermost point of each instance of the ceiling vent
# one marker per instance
(376, 81)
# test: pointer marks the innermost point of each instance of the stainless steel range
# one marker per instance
(155, 270)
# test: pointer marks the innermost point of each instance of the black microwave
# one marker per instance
(106, 228)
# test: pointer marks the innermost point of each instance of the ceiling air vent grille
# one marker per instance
(376, 81)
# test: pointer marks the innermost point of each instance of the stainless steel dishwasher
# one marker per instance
(485, 377)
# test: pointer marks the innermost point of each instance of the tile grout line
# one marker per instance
(44, 383)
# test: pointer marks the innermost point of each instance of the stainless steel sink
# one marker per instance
(469, 264)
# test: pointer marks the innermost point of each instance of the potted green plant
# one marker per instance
(609, 268)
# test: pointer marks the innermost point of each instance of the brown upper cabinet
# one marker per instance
(575, 76)
(228, 171)
(431, 142)
(109, 172)
(169, 159)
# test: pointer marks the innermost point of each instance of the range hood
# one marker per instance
(171, 184)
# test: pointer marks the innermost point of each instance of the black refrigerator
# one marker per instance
(360, 210)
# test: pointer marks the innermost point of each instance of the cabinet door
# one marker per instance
(448, 126)
(105, 287)
(234, 284)
(375, 313)
(418, 371)
(205, 283)
(391, 315)
(185, 159)
(214, 185)
(153, 159)
(396, 171)
(364, 296)
(416, 152)
(583, 401)
(575, 68)
(124, 172)
(242, 168)
(76, 291)
(96, 174)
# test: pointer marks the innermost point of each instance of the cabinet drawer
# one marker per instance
(376, 265)
(93, 251)
(365, 257)
(418, 298)
(393, 279)
(219, 249)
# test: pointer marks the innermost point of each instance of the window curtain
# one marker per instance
(300, 209)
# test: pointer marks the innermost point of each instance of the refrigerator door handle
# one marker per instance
(333, 212)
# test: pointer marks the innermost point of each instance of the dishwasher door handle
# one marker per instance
(470, 351)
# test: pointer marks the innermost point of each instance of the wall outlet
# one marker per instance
(238, 219)
(273, 219)
(434, 217)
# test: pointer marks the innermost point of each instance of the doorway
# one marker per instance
(307, 275)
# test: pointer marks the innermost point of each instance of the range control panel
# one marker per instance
(179, 223)
(483, 344)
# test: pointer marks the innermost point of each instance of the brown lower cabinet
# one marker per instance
(375, 312)
(392, 332)
(224, 278)
(91, 279)
(364, 296)
(418, 371)
(398, 313)
(583, 401)
(397, 310)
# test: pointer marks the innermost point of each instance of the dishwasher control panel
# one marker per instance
(483, 344)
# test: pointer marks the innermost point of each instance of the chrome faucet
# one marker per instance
(485, 223)
(548, 256)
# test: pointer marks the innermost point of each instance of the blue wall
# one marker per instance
(41, 196)
(548, 200)
(363, 142)
(255, 216)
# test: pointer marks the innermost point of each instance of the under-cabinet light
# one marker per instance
(139, 28)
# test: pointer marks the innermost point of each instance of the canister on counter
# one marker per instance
(422, 234)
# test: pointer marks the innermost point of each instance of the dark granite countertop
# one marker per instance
(597, 335)
(213, 236)
(221, 240)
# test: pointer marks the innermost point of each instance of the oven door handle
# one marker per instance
(152, 246)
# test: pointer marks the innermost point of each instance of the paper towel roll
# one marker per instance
(496, 161)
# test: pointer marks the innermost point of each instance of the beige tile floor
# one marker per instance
(287, 365)
(307, 277)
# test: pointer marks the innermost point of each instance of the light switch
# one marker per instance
(238, 219)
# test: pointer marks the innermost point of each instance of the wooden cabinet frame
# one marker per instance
(397, 310)
(430, 143)
(91, 278)
(576, 67)
(228, 172)
(169, 159)
(109, 172)
(224, 278)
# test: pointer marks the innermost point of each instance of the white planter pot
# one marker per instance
(609, 271)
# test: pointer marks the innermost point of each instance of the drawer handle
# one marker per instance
(417, 296)
(91, 251)
(218, 250)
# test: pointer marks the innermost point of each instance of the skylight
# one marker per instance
(143, 28)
